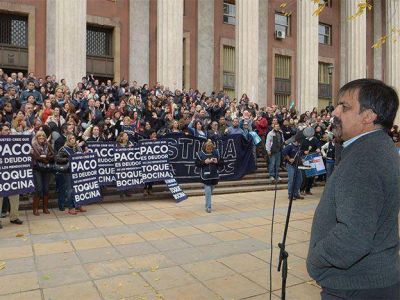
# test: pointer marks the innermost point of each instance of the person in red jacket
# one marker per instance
(262, 130)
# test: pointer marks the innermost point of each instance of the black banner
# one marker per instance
(128, 168)
(154, 158)
(85, 178)
(16, 175)
(105, 155)
(175, 190)
(235, 150)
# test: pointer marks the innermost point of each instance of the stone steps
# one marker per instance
(256, 181)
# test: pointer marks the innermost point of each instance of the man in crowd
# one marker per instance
(354, 245)
(235, 129)
(273, 145)
(31, 91)
(292, 154)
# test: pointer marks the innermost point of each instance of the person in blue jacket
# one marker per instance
(208, 160)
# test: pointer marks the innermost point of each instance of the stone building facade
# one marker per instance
(240, 46)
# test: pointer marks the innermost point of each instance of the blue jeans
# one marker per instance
(330, 166)
(208, 190)
(60, 188)
(274, 164)
(69, 201)
(41, 180)
(292, 184)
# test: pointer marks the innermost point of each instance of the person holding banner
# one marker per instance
(328, 153)
(148, 186)
(62, 158)
(43, 157)
(292, 155)
(208, 160)
(13, 199)
(123, 140)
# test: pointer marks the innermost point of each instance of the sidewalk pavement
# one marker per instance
(158, 250)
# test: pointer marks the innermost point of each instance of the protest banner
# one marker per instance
(16, 174)
(175, 190)
(154, 159)
(235, 150)
(315, 163)
(105, 162)
(128, 168)
(85, 178)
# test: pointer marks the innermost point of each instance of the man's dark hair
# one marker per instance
(375, 95)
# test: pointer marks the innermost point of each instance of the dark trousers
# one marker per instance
(6, 205)
(307, 183)
(387, 293)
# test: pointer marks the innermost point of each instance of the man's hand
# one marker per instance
(269, 153)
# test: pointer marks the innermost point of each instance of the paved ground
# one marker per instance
(157, 250)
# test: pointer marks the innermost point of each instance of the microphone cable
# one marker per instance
(272, 232)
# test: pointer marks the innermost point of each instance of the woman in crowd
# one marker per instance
(71, 146)
(196, 128)
(174, 128)
(56, 117)
(67, 110)
(123, 140)
(93, 134)
(46, 111)
(208, 160)
(18, 124)
(43, 157)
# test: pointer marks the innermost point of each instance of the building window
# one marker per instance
(324, 33)
(282, 23)
(14, 30)
(229, 70)
(282, 80)
(98, 41)
(229, 13)
(324, 85)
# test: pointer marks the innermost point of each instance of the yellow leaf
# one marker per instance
(19, 235)
(155, 268)
(283, 5)
(2, 265)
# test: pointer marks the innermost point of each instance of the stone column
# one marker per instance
(66, 40)
(307, 56)
(262, 52)
(247, 39)
(205, 50)
(170, 43)
(139, 41)
(392, 76)
(377, 10)
(354, 41)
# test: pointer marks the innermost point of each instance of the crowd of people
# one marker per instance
(62, 118)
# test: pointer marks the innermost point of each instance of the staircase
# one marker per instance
(257, 181)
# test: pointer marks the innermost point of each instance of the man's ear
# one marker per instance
(369, 117)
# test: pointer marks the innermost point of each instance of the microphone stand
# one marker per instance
(283, 254)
